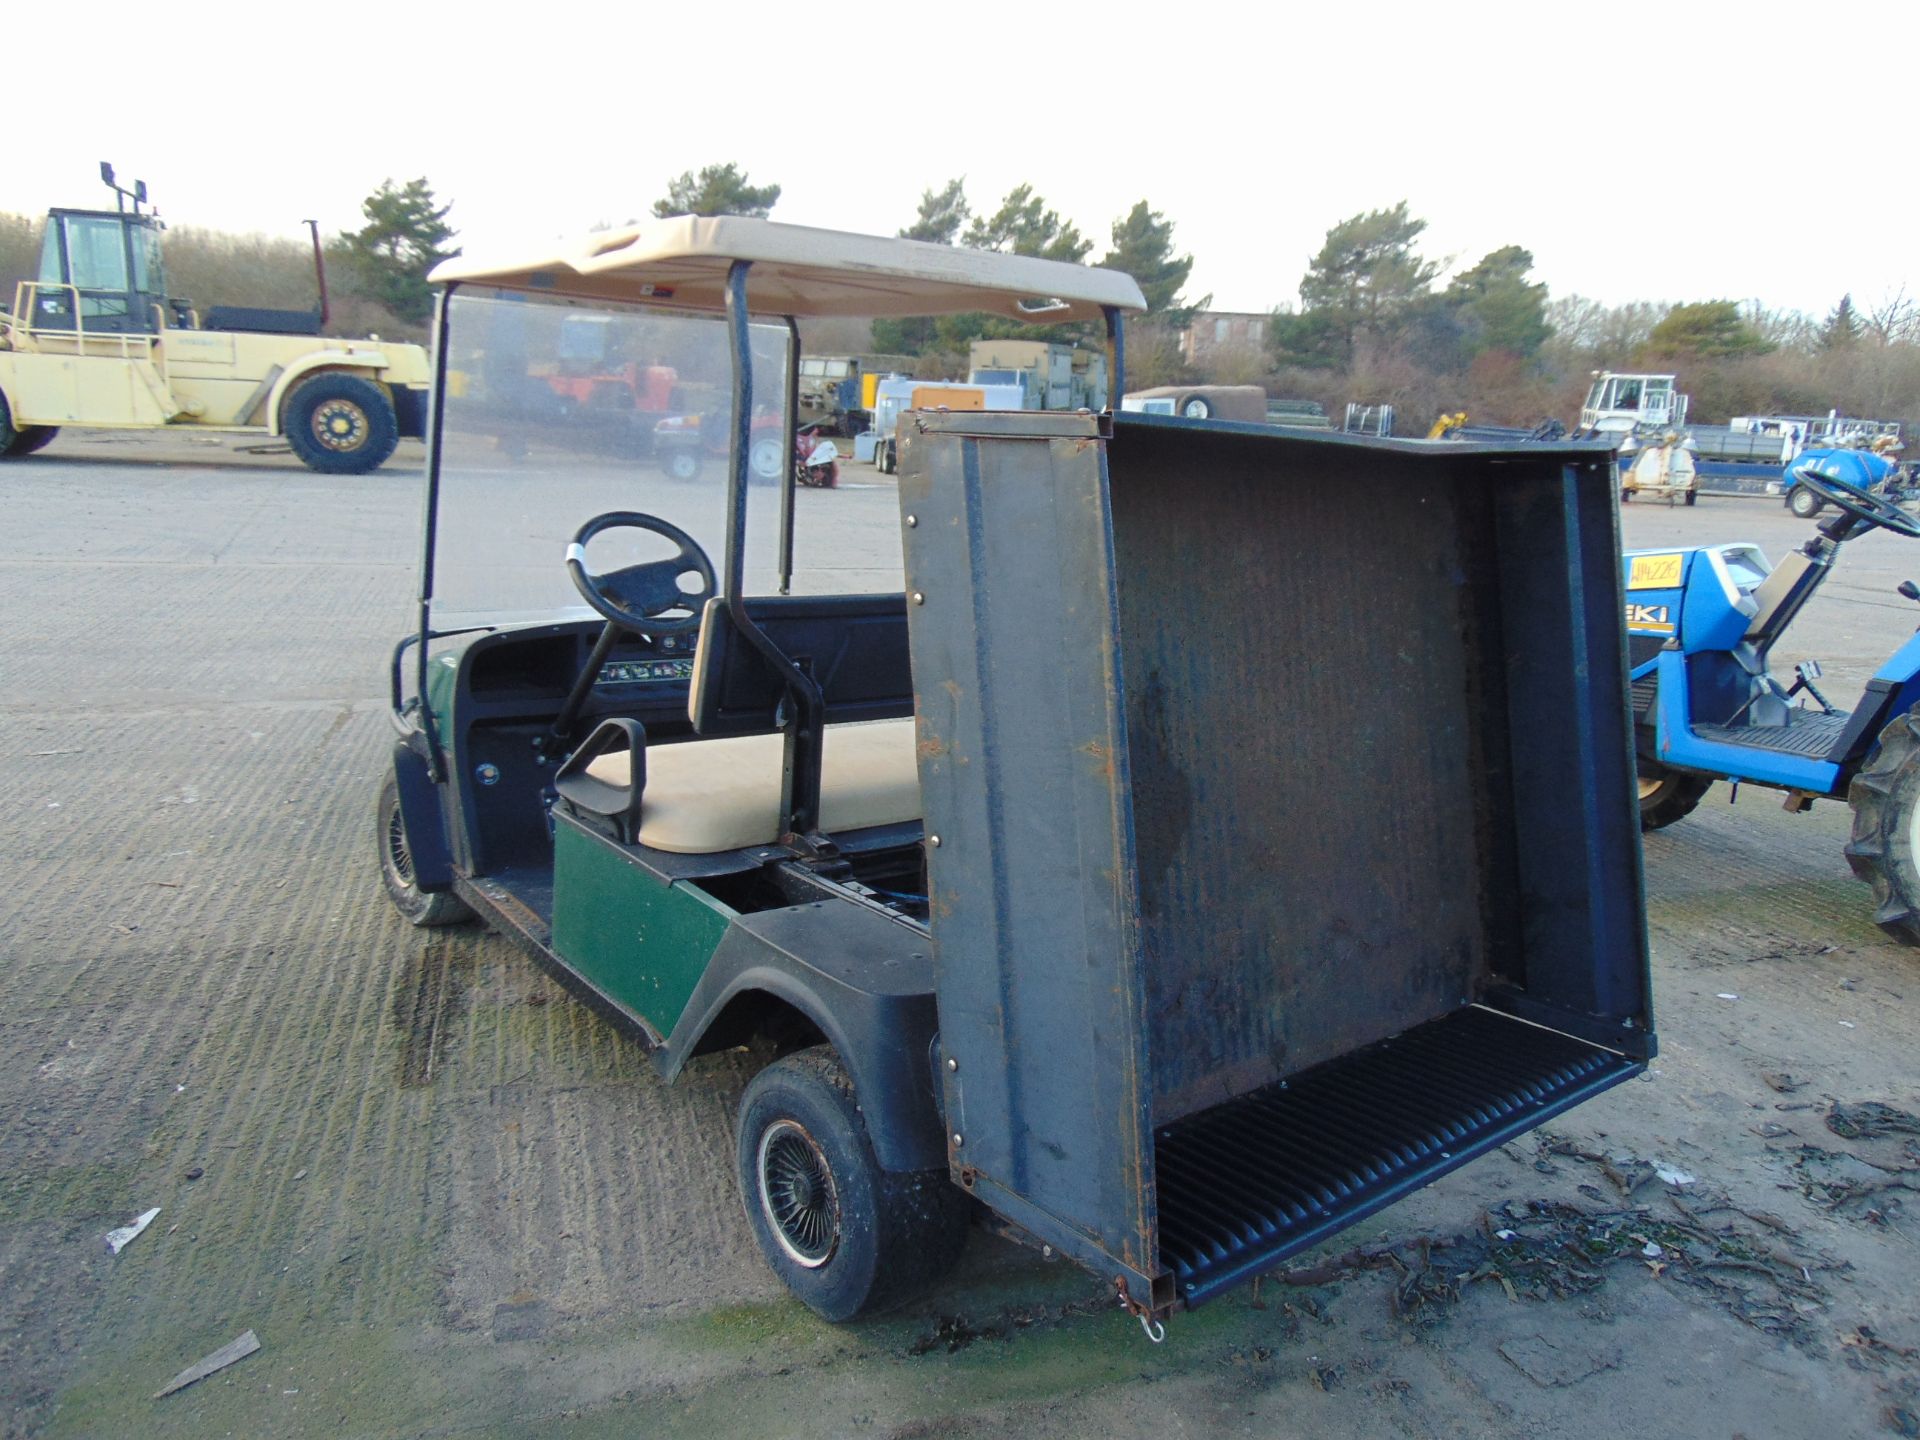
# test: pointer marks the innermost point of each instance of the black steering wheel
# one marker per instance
(635, 598)
(1861, 504)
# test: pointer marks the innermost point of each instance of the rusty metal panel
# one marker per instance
(1024, 779)
(1300, 644)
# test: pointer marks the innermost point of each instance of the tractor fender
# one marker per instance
(365, 363)
(882, 1028)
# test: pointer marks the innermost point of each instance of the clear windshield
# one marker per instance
(556, 413)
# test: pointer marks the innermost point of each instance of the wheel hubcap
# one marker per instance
(1647, 787)
(399, 857)
(340, 425)
(797, 1195)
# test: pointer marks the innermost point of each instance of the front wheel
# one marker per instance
(1885, 799)
(763, 458)
(425, 908)
(846, 1237)
(340, 424)
(1804, 503)
(682, 463)
(1668, 795)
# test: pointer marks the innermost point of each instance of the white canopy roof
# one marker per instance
(798, 270)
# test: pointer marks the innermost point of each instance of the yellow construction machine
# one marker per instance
(96, 341)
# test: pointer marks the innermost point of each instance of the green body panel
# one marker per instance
(443, 681)
(639, 942)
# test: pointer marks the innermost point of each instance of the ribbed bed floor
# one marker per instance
(1246, 1184)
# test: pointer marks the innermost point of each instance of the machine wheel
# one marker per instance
(763, 458)
(421, 907)
(8, 435)
(1885, 798)
(845, 1236)
(1692, 495)
(883, 457)
(1625, 496)
(1804, 503)
(29, 438)
(681, 464)
(1667, 795)
(1197, 407)
(340, 424)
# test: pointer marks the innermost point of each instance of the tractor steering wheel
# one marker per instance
(634, 598)
(1859, 503)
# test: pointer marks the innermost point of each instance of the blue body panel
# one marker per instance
(1677, 597)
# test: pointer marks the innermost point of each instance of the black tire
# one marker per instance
(7, 433)
(1668, 795)
(1692, 495)
(29, 438)
(682, 463)
(846, 1237)
(1804, 503)
(883, 457)
(1196, 407)
(1885, 799)
(425, 908)
(1625, 496)
(340, 424)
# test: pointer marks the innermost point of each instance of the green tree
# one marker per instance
(1706, 328)
(405, 236)
(943, 214)
(1143, 248)
(716, 190)
(1498, 308)
(1361, 284)
(1023, 225)
(1842, 327)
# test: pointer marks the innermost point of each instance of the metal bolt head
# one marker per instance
(952, 1064)
(912, 521)
(918, 598)
(934, 841)
(957, 1141)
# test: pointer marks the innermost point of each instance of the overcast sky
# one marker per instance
(1679, 152)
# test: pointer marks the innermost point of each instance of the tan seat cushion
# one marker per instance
(704, 796)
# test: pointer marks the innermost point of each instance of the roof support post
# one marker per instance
(806, 713)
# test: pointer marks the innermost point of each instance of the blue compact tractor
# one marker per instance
(1701, 623)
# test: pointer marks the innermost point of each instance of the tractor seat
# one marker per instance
(706, 796)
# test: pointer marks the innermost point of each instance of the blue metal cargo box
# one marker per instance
(1280, 811)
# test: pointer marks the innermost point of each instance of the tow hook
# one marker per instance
(1156, 1332)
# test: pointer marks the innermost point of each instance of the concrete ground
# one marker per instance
(450, 1201)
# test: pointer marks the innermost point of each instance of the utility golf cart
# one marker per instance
(1701, 624)
(1178, 867)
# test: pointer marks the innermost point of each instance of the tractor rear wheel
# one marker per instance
(425, 908)
(847, 1237)
(29, 438)
(1667, 795)
(340, 424)
(1885, 799)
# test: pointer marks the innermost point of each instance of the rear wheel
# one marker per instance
(1668, 795)
(1692, 495)
(763, 458)
(29, 438)
(1804, 503)
(340, 424)
(682, 463)
(846, 1237)
(1885, 799)
(421, 907)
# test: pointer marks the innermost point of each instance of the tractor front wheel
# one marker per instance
(1804, 503)
(340, 424)
(847, 1237)
(1885, 798)
(1668, 795)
